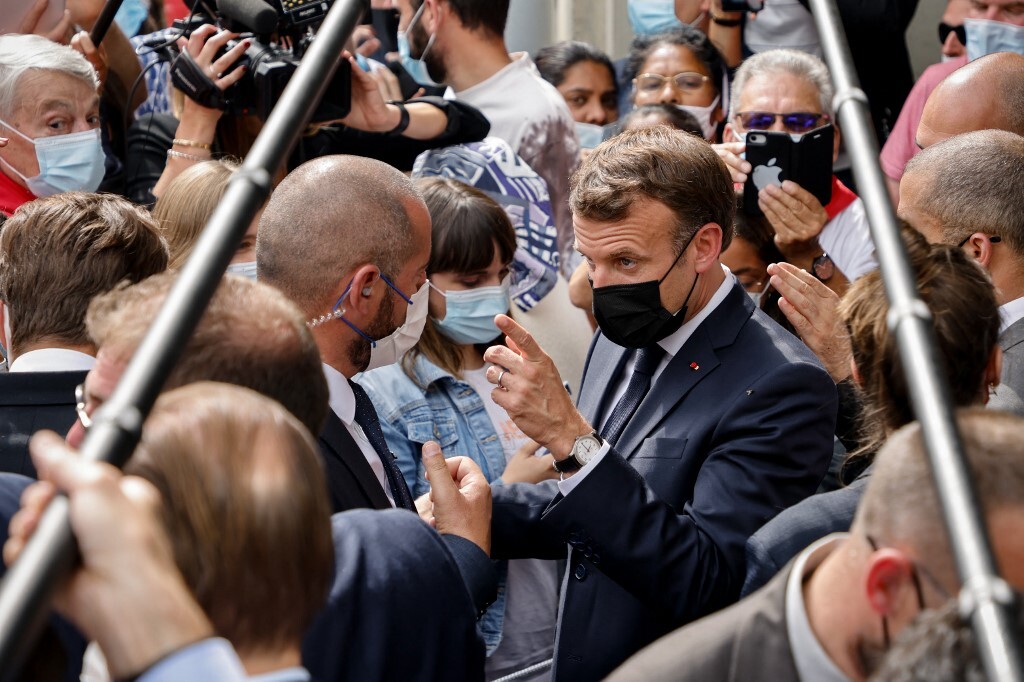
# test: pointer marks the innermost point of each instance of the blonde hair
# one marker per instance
(182, 210)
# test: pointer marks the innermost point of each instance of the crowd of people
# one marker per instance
(529, 368)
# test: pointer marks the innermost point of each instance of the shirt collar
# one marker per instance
(52, 360)
(672, 343)
(342, 400)
(294, 674)
(812, 662)
(1010, 312)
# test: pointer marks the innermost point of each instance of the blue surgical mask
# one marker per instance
(988, 37)
(650, 17)
(415, 67)
(247, 269)
(130, 16)
(589, 134)
(469, 315)
(67, 163)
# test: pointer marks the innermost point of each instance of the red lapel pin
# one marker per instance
(694, 366)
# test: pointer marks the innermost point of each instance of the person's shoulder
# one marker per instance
(390, 388)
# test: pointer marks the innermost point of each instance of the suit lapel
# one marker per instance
(338, 442)
(1013, 335)
(694, 361)
(600, 379)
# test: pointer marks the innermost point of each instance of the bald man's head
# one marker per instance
(331, 215)
(987, 94)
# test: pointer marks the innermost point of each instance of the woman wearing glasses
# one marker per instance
(684, 69)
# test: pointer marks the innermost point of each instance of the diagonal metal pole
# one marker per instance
(985, 597)
(28, 587)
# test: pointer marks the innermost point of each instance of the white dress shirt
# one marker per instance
(343, 403)
(671, 344)
(812, 661)
(1010, 312)
(52, 360)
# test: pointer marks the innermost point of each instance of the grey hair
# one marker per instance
(800, 64)
(20, 54)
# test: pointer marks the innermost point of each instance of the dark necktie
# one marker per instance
(647, 360)
(366, 417)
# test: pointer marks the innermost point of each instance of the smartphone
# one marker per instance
(15, 11)
(774, 157)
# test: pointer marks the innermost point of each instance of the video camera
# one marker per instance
(279, 34)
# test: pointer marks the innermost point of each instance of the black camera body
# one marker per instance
(269, 64)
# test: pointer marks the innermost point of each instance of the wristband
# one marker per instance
(722, 21)
(403, 121)
(191, 143)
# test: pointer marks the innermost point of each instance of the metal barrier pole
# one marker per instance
(985, 597)
(28, 587)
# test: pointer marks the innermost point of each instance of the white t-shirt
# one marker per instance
(510, 435)
(847, 240)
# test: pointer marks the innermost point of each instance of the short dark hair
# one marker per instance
(758, 232)
(244, 502)
(490, 15)
(57, 253)
(670, 114)
(685, 36)
(250, 335)
(554, 60)
(670, 166)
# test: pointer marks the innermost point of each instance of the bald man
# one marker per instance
(986, 94)
(967, 191)
(347, 239)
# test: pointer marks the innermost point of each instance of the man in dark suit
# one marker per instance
(55, 255)
(965, 190)
(347, 239)
(699, 418)
(831, 613)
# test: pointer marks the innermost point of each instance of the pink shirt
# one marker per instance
(902, 143)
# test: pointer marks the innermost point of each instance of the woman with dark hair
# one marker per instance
(682, 68)
(585, 77)
(440, 392)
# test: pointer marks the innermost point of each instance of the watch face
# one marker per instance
(824, 268)
(586, 448)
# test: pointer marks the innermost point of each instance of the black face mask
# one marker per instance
(631, 315)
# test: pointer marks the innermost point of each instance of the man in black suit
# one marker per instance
(55, 255)
(699, 418)
(833, 611)
(347, 239)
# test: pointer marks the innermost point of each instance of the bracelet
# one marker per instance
(403, 121)
(182, 155)
(722, 21)
(191, 143)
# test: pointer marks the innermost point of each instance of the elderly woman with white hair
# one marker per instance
(50, 117)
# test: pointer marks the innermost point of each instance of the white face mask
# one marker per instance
(988, 37)
(394, 346)
(703, 116)
(246, 269)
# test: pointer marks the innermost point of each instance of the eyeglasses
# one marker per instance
(945, 29)
(687, 81)
(993, 239)
(796, 122)
(80, 402)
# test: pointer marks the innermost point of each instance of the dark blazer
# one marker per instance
(785, 536)
(738, 427)
(399, 608)
(350, 480)
(30, 401)
(747, 641)
(1009, 395)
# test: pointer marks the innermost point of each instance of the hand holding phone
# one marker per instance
(775, 157)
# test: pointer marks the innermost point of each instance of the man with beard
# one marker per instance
(462, 45)
(831, 614)
(353, 258)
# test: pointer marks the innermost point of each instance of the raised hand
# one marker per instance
(460, 496)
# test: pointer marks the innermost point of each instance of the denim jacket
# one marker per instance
(451, 413)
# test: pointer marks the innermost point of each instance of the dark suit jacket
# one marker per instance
(747, 641)
(350, 480)
(785, 536)
(658, 527)
(1010, 392)
(30, 401)
(399, 608)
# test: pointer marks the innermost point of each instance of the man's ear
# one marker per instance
(889, 573)
(359, 301)
(708, 247)
(979, 247)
